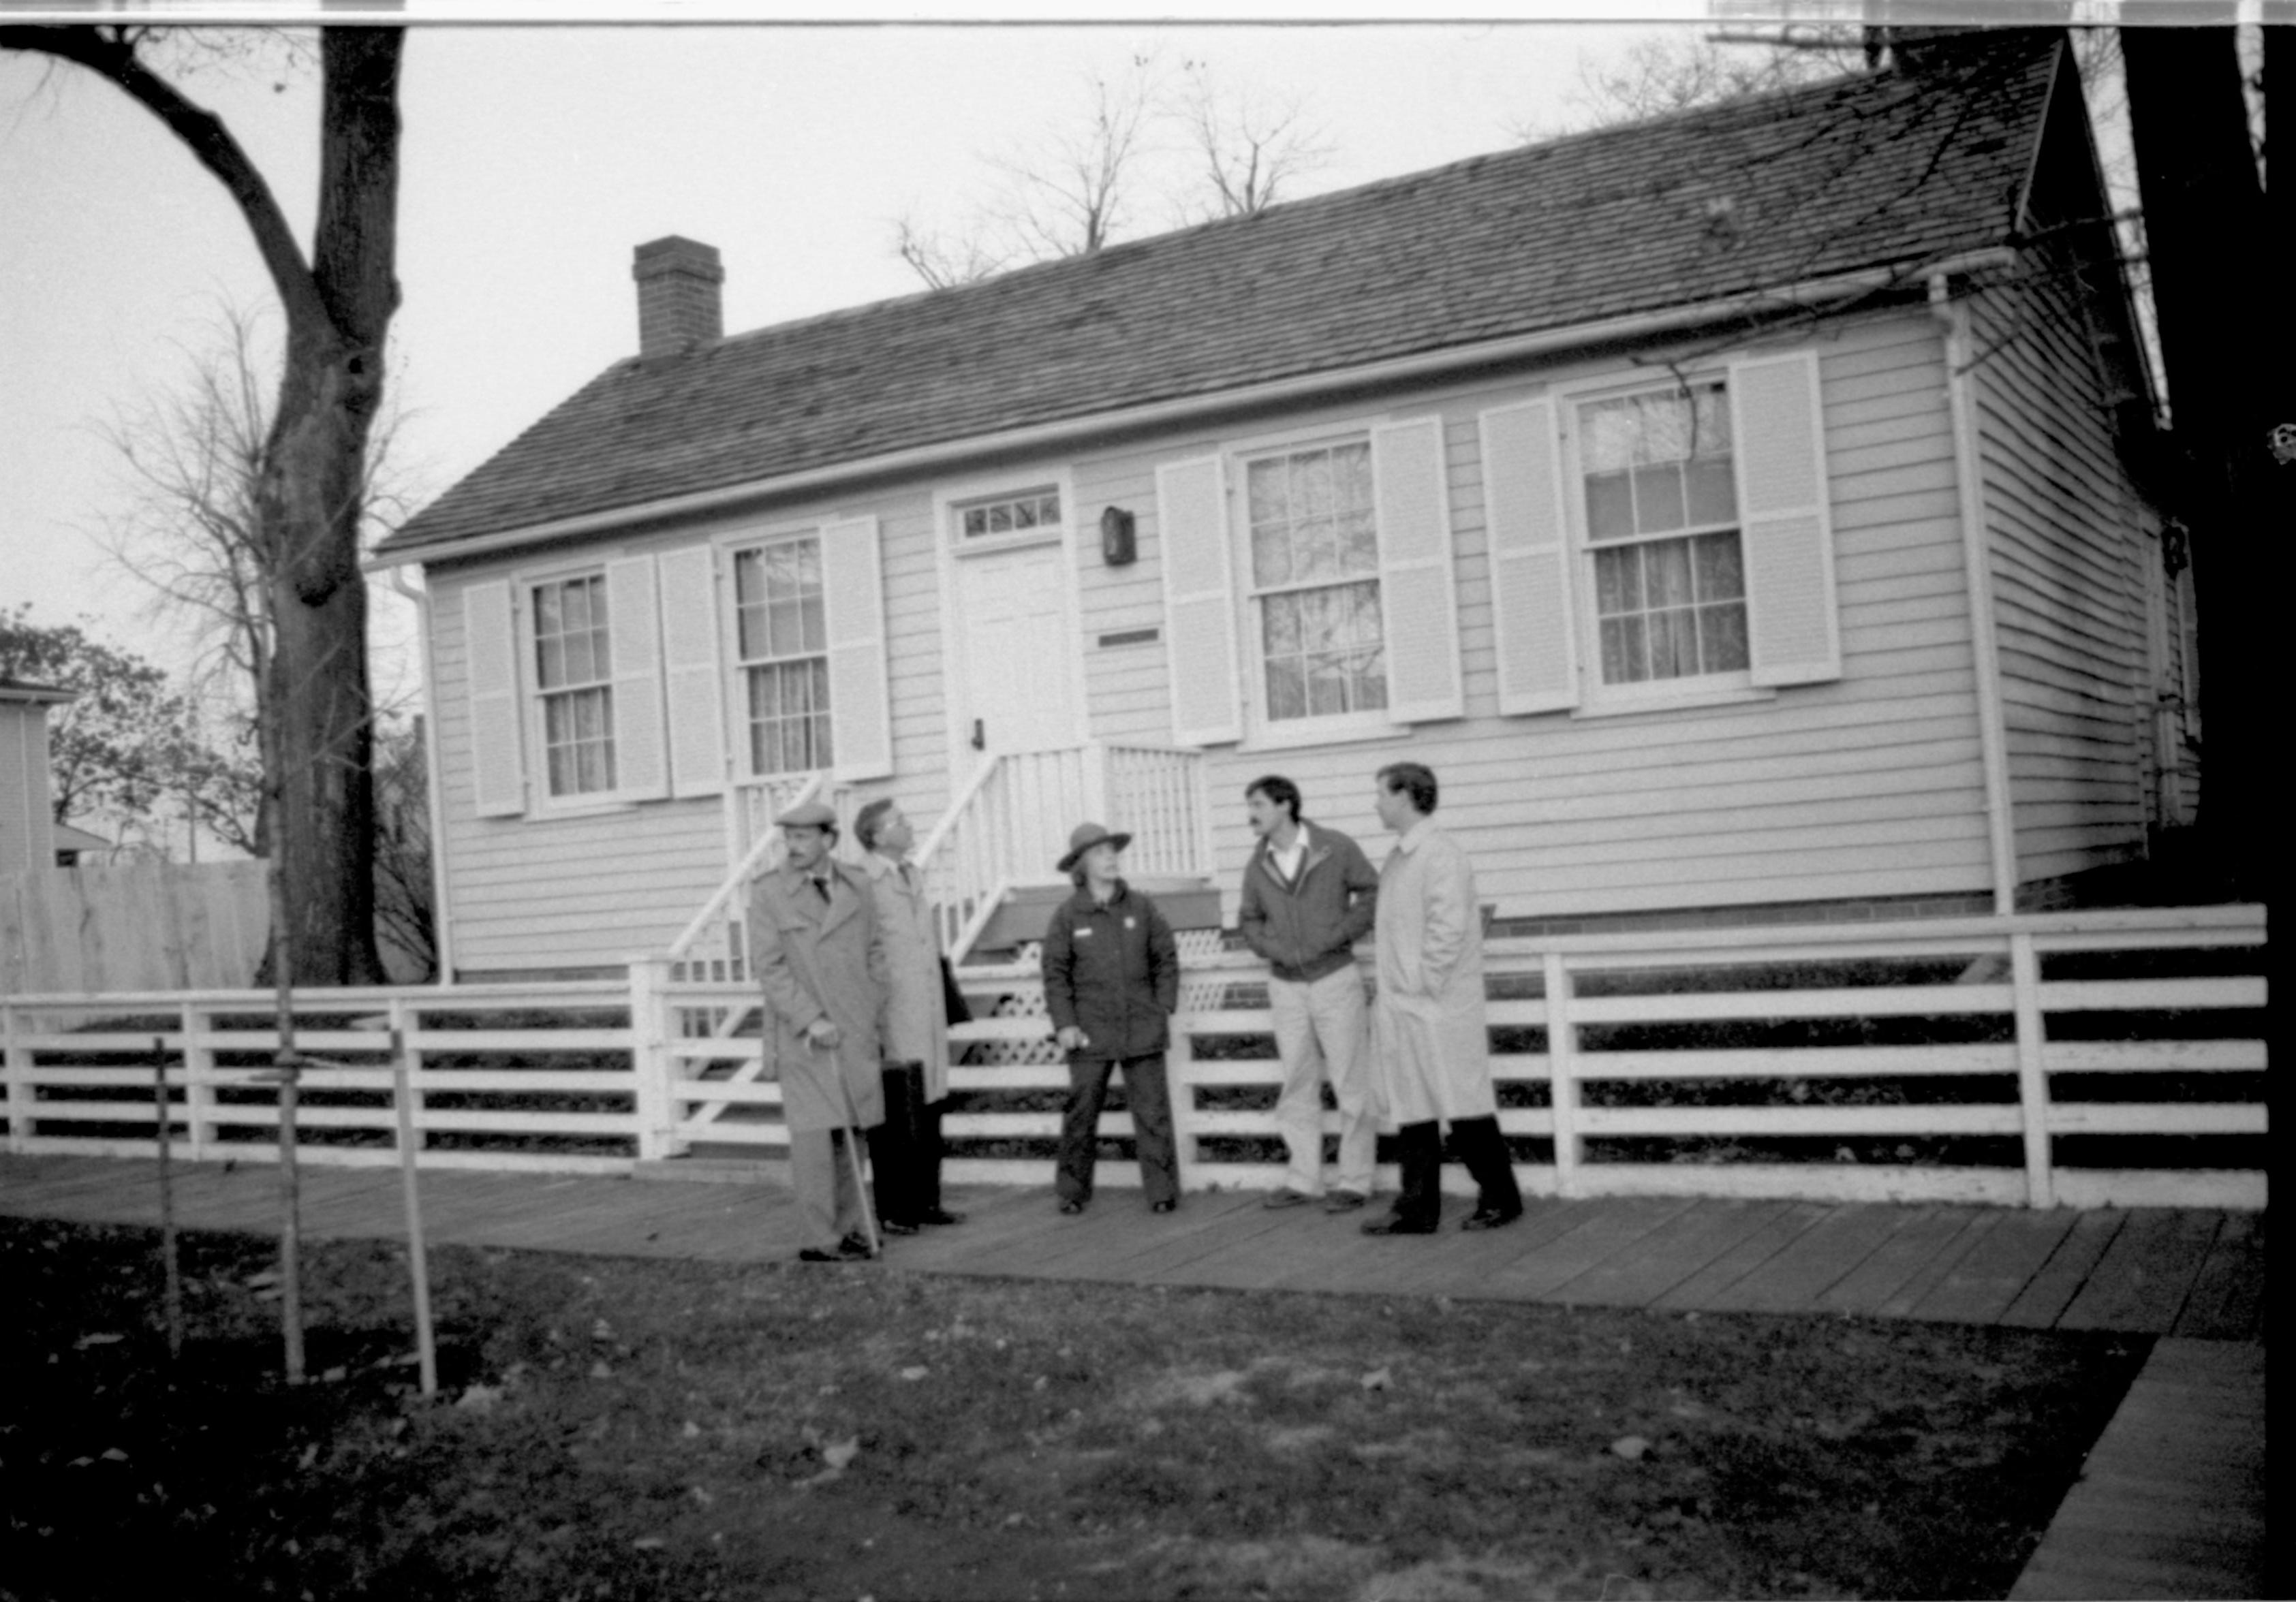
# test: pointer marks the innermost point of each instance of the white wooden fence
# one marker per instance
(1968, 1060)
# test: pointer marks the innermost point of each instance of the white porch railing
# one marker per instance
(1962, 1060)
(1010, 824)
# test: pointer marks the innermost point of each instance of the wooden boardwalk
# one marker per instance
(2170, 1505)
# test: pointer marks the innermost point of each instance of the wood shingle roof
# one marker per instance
(1880, 170)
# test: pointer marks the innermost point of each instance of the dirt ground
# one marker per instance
(612, 1429)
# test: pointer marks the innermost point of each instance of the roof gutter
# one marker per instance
(1158, 413)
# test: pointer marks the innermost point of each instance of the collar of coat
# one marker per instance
(876, 864)
(796, 882)
(1417, 836)
(1317, 850)
(1082, 900)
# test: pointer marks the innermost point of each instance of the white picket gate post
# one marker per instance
(1180, 1083)
(649, 1057)
(1562, 1076)
(2032, 1076)
(16, 1060)
(199, 1081)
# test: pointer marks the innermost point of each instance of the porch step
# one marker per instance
(1188, 901)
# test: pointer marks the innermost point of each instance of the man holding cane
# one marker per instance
(820, 958)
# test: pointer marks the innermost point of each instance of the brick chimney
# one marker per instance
(679, 303)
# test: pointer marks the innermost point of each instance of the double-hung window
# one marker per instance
(573, 675)
(1308, 586)
(1656, 545)
(783, 630)
(1667, 573)
(1313, 542)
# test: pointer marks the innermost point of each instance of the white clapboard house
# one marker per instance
(1741, 512)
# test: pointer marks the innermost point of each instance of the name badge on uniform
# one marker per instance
(1083, 933)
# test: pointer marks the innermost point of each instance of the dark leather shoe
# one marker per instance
(939, 1215)
(814, 1253)
(893, 1226)
(856, 1249)
(1162, 1206)
(1394, 1223)
(1490, 1218)
(1278, 1199)
(1072, 1206)
(1345, 1201)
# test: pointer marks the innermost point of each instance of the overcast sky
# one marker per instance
(536, 159)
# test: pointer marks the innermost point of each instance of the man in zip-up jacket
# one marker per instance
(1309, 896)
(1112, 981)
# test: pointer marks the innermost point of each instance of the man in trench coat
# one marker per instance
(1431, 1046)
(821, 961)
(916, 1026)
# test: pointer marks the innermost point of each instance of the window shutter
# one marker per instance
(1530, 558)
(491, 664)
(1199, 602)
(1418, 600)
(694, 678)
(634, 624)
(860, 698)
(1791, 619)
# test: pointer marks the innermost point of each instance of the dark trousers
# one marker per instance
(1150, 1098)
(1418, 1152)
(905, 1151)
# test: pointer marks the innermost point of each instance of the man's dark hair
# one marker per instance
(1279, 789)
(1414, 780)
(866, 821)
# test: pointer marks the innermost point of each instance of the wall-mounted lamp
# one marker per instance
(1117, 548)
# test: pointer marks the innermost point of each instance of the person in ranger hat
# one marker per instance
(1112, 980)
(820, 957)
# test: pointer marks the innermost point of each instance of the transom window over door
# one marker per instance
(784, 643)
(1663, 530)
(1037, 511)
(1315, 582)
(573, 673)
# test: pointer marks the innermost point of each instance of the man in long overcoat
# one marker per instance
(916, 1026)
(819, 957)
(1430, 1045)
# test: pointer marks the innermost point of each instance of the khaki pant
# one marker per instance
(1321, 1030)
(821, 1178)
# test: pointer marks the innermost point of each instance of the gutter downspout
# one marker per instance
(1985, 648)
(1047, 436)
(442, 923)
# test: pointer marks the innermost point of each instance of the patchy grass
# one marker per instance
(614, 1428)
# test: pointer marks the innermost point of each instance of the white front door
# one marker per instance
(1018, 689)
(1017, 694)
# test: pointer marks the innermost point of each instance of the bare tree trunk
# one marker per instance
(309, 502)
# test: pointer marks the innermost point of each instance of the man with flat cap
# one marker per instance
(820, 957)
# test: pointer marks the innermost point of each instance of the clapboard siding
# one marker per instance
(596, 888)
(1871, 785)
(2064, 541)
